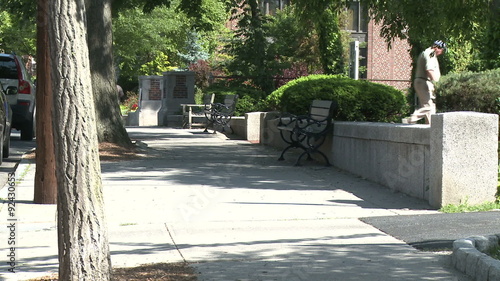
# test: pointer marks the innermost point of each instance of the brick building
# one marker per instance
(379, 64)
(392, 67)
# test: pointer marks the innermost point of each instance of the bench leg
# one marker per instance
(283, 153)
(209, 123)
(326, 159)
(190, 118)
(229, 126)
(310, 158)
(292, 145)
(313, 145)
(293, 140)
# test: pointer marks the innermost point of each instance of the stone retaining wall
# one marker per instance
(453, 161)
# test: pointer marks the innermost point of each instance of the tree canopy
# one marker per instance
(461, 24)
(162, 39)
(17, 34)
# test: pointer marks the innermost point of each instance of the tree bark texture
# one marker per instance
(110, 127)
(82, 234)
(45, 175)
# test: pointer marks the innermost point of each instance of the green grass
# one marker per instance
(124, 109)
(128, 223)
(465, 207)
(494, 252)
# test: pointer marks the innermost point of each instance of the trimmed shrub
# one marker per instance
(357, 100)
(469, 91)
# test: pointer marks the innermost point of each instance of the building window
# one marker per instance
(269, 7)
(357, 17)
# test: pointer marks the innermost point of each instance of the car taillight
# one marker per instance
(24, 87)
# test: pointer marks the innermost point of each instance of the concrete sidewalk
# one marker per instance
(234, 212)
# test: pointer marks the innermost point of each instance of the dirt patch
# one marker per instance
(113, 152)
(149, 272)
(108, 152)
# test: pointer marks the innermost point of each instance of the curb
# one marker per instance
(20, 171)
(469, 257)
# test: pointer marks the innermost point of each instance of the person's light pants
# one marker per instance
(425, 94)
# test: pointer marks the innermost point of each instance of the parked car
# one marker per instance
(5, 122)
(13, 73)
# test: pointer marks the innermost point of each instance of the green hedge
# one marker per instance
(469, 91)
(357, 100)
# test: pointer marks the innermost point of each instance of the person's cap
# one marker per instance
(440, 44)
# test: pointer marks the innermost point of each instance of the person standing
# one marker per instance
(427, 73)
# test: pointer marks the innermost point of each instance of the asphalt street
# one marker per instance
(17, 149)
(437, 231)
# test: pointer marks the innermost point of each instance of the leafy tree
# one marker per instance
(250, 47)
(490, 50)
(206, 15)
(324, 14)
(164, 37)
(157, 66)
(17, 34)
(294, 42)
(144, 38)
(193, 51)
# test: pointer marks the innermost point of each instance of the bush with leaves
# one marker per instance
(250, 99)
(469, 91)
(357, 100)
(131, 103)
(204, 73)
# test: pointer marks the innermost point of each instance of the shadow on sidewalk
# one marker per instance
(185, 158)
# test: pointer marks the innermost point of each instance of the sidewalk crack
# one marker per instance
(175, 244)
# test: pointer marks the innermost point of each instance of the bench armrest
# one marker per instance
(287, 119)
(307, 125)
(221, 109)
(189, 107)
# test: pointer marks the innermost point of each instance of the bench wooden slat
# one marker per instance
(319, 113)
(322, 103)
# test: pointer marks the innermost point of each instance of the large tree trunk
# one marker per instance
(45, 176)
(83, 241)
(110, 126)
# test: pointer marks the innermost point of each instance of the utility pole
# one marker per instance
(45, 175)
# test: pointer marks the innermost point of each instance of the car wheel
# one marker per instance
(27, 133)
(6, 147)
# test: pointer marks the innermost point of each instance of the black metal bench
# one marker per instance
(219, 114)
(308, 132)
